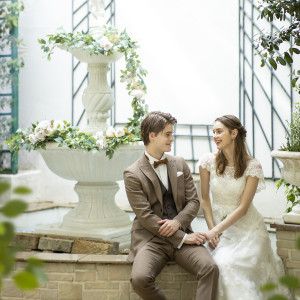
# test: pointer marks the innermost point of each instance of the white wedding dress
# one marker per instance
(244, 255)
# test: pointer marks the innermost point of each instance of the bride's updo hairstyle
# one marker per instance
(241, 155)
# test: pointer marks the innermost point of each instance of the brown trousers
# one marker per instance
(155, 254)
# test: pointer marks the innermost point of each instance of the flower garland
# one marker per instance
(36, 137)
(107, 41)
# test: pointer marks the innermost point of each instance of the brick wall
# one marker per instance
(286, 235)
(91, 277)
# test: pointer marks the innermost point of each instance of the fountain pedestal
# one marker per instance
(96, 214)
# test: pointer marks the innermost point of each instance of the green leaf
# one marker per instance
(25, 280)
(277, 297)
(2, 229)
(290, 281)
(268, 287)
(22, 190)
(14, 208)
(288, 58)
(34, 262)
(294, 81)
(281, 60)
(8, 235)
(296, 50)
(273, 63)
(4, 186)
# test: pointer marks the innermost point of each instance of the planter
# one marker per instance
(96, 214)
(290, 173)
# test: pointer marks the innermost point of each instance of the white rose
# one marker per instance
(32, 138)
(105, 43)
(120, 132)
(110, 132)
(40, 135)
(44, 124)
(137, 93)
(99, 135)
(101, 143)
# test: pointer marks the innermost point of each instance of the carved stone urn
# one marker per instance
(290, 173)
(96, 214)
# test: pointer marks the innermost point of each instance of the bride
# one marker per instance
(237, 234)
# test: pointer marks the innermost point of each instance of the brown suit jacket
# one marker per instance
(145, 197)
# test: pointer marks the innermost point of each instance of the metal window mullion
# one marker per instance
(272, 107)
(192, 147)
(208, 137)
(252, 83)
(244, 100)
(240, 82)
(15, 98)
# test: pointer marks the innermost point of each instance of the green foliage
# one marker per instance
(115, 42)
(39, 134)
(9, 67)
(9, 12)
(277, 297)
(273, 46)
(292, 193)
(293, 139)
(30, 277)
(291, 282)
(269, 286)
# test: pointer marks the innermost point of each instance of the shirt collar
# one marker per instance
(152, 159)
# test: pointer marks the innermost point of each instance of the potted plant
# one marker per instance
(289, 155)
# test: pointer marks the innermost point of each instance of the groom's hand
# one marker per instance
(168, 228)
(195, 238)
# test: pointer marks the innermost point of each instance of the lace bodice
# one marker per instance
(225, 189)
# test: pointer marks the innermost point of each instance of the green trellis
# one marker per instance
(12, 92)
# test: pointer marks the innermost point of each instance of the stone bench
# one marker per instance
(95, 277)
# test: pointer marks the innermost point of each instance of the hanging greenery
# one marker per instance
(107, 42)
(279, 47)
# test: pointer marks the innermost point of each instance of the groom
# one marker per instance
(162, 194)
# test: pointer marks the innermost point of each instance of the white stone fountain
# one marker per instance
(96, 214)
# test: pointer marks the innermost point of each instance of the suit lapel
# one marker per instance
(147, 169)
(172, 173)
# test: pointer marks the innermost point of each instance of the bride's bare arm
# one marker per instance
(240, 211)
(205, 200)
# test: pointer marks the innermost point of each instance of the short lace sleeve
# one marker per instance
(206, 161)
(254, 169)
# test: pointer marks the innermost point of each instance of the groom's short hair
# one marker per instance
(155, 121)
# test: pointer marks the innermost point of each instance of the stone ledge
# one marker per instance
(80, 258)
(66, 244)
(286, 227)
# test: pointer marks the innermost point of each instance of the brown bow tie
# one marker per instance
(157, 163)
(162, 161)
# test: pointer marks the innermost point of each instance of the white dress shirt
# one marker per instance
(162, 173)
(160, 170)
